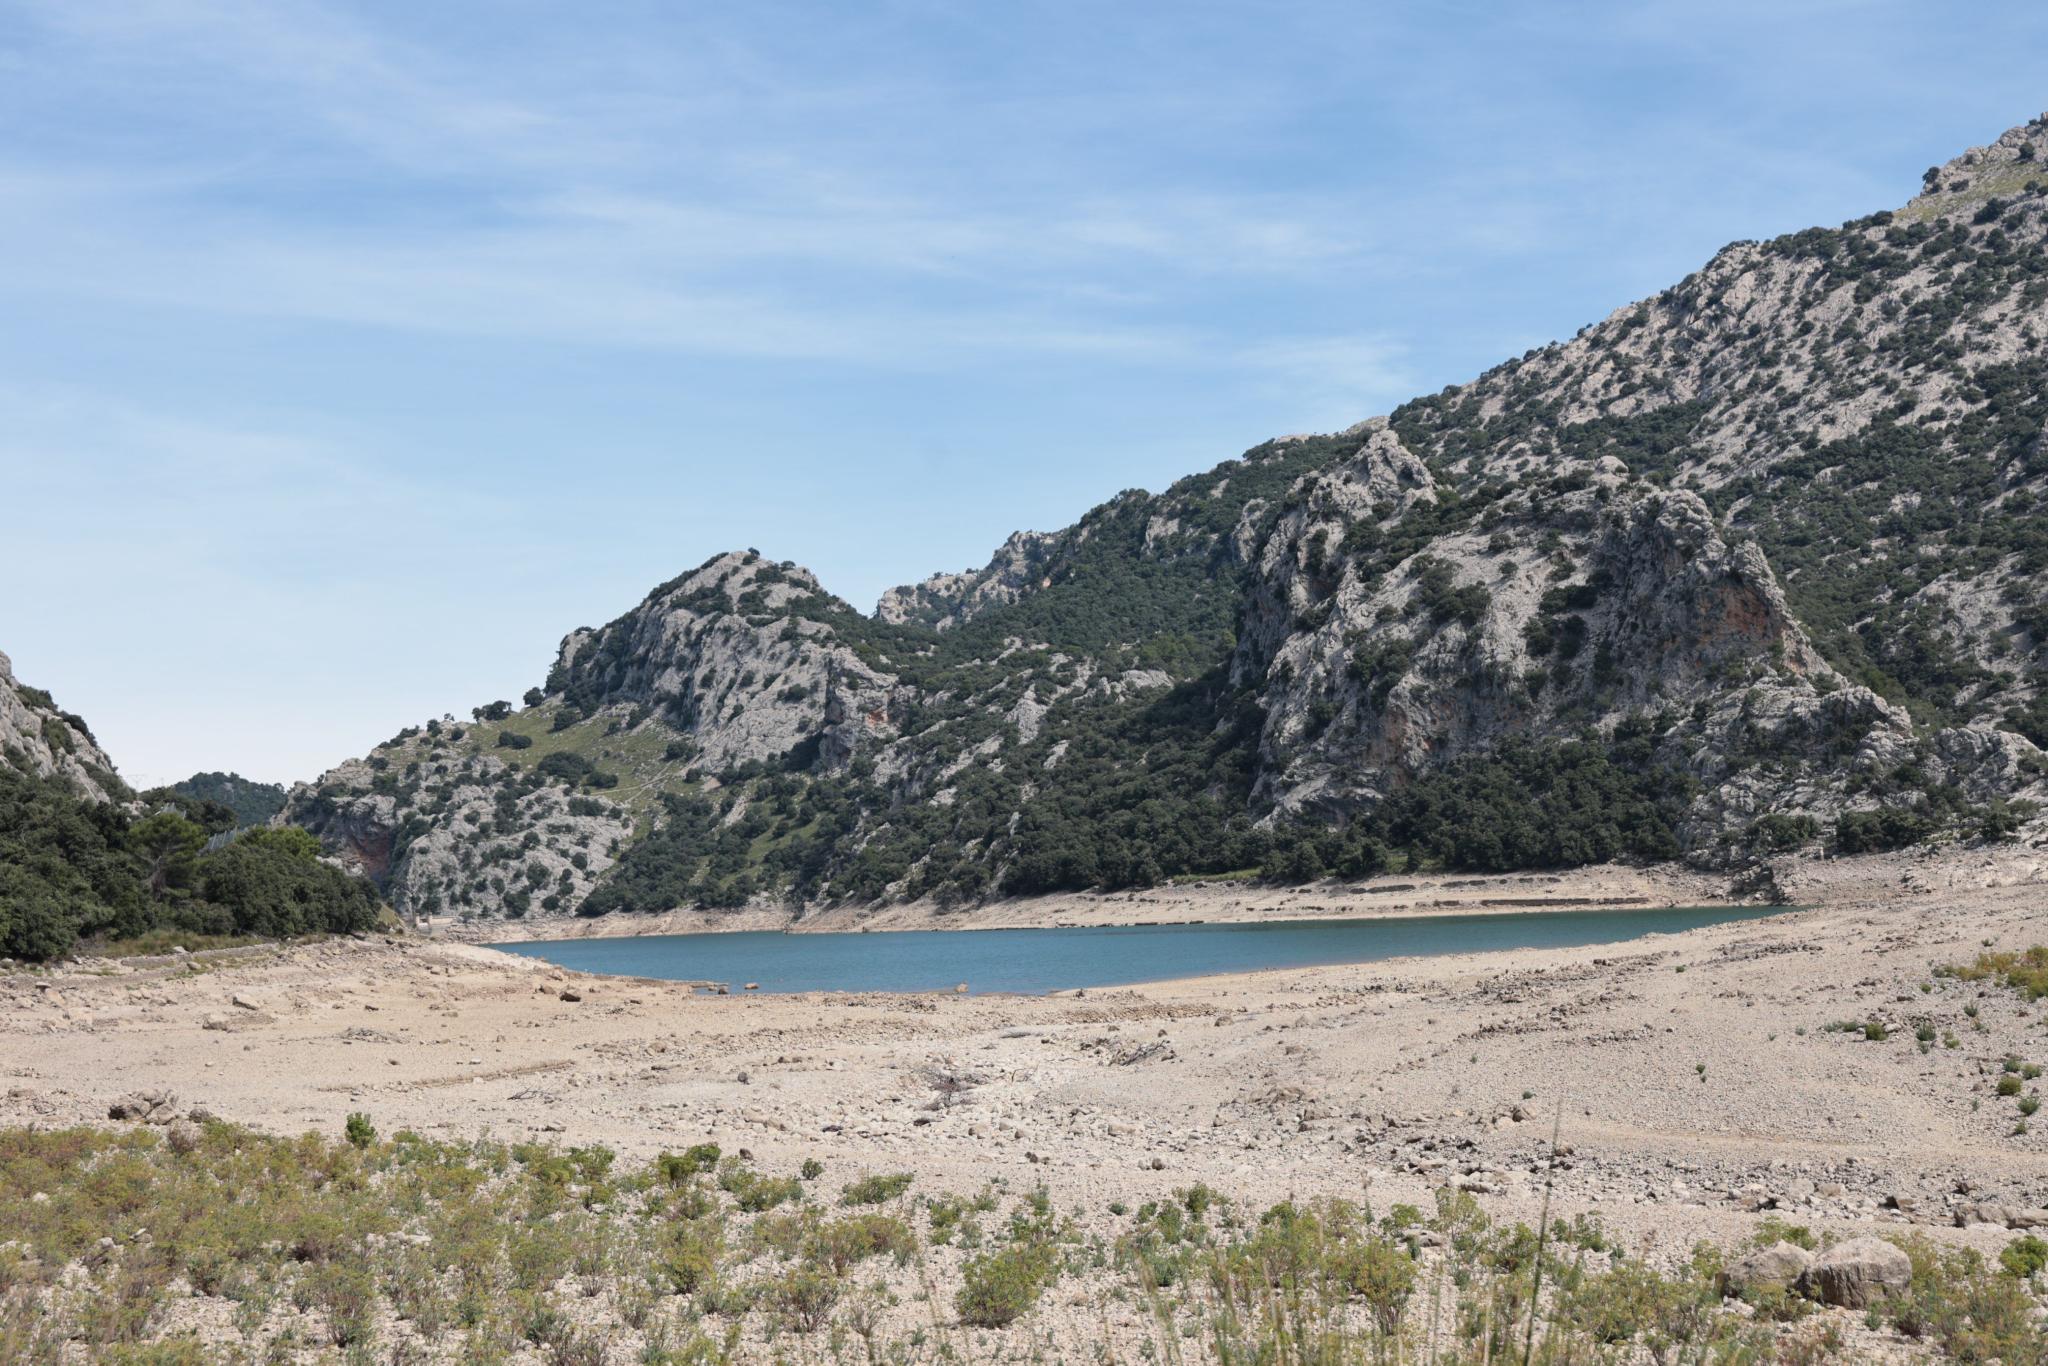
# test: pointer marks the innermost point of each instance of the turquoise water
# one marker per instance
(1033, 961)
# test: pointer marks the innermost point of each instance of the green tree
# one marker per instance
(168, 845)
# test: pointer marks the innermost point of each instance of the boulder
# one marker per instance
(1777, 1267)
(1854, 1273)
(145, 1107)
(1982, 1212)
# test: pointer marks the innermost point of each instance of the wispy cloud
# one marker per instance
(356, 349)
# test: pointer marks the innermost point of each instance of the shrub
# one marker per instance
(2026, 973)
(856, 1237)
(676, 1168)
(688, 1257)
(873, 1190)
(805, 1296)
(1380, 1272)
(2024, 1257)
(359, 1131)
(1000, 1287)
(1887, 828)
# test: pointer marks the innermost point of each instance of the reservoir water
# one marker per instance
(1033, 961)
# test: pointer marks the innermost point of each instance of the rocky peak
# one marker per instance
(2003, 169)
(39, 738)
(740, 656)
(946, 600)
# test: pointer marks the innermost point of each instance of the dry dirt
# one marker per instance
(1695, 1075)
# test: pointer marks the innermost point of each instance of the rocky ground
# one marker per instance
(1701, 1082)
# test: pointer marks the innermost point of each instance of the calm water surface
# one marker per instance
(1032, 961)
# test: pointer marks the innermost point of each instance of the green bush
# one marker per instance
(873, 1190)
(1000, 1287)
(72, 868)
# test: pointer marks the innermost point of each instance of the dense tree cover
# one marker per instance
(1128, 797)
(1852, 526)
(252, 803)
(72, 869)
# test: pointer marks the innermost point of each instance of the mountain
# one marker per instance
(252, 803)
(41, 740)
(1755, 564)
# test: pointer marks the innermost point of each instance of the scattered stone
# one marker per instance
(571, 995)
(1777, 1267)
(1852, 1274)
(145, 1107)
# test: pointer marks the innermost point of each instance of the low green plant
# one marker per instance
(999, 1287)
(875, 1189)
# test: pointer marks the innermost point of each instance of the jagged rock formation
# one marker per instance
(718, 653)
(39, 738)
(943, 600)
(1759, 561)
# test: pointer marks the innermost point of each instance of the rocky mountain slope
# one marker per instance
(1757, 563)
(42, 740)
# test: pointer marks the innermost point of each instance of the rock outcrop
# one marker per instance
(739, 655)
(1778, 1267)
(1853, 1274)
(39, 738)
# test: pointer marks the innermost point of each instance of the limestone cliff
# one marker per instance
(1760, 560)
(39, 738)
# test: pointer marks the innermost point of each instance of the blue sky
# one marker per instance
(355, 352)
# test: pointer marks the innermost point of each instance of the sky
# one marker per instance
(353, 353)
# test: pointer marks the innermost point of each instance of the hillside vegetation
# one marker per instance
(83, 858)
(1753, 565)
(408, 1249)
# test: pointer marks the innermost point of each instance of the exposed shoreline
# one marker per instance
(1706, 1078)
(1605, 887)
